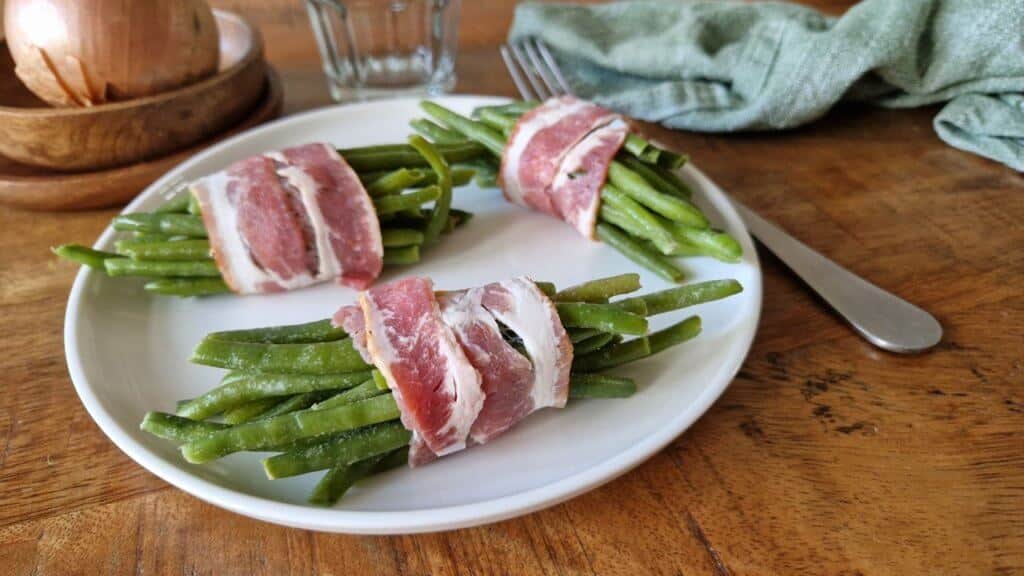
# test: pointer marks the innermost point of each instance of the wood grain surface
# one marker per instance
(825, 456)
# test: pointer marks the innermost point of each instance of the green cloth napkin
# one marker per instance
(724, 66)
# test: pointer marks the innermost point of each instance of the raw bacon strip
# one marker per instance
(540, 140)
(272, 222)
(287, 219)
(247, 200)
(507, 376)
(530, 314)
(576, 189)
(350, 319)
(437, 389)
(342, 213)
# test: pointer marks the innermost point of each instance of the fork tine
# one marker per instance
(517, 77)
(531, 74)
(542, 69)
(553, 65)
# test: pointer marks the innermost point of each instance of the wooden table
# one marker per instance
(825, 456)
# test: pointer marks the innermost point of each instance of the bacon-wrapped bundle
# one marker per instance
(287, 219)
(409, 374)
(585, 165)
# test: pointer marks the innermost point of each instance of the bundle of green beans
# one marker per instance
(170, 248)
(304, 392)
(646, 210)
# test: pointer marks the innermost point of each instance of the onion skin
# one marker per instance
(88, 52)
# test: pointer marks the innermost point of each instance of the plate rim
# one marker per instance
(407, 521)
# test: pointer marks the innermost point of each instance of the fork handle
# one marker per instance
(884, 319)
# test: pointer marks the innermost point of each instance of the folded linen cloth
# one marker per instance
(724, 65)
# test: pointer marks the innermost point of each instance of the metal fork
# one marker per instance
(882, 318)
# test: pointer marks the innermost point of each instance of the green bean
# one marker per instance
(577, 335)
(402, 155)
(395, 181)
(653, 154)
(672, 207)
(486, 172)
(330, 489)
(368, 178)
(630, 225)
(401, 256)
(84, 255)
(193, 206)
(669, 160)
(142, 238)
(298, 402)
(600, 290)
(683, 250)
(317, 358)
(128, 267)
(250, 410)
(612, 356)
(639, 253)
(400, 202)
(600, 386)
(436, 132)
(644, 223)
(347, 448)
(657, 177)
(380, 381)
(185, 250)
(456, 218)
(439, 217)
(397, 237)
(604, 317)
(177, 204)
(517, 108)
(146, 237)
(171, 427)
(339, 479)
(714, 243)
(309, 332)
(265, 434)
(187, 286)
(461, 175)
(689, 295)
(363, 443)
(638, 307)
(675, 334)
(641, 149)
(183, 224)
(591, 344)
(547, 288)
(497, 121)
(240, 387)
(478, 131)
(394, 459)
(367, 389)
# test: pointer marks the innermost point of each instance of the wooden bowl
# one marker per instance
(34, 188)
(127, 132)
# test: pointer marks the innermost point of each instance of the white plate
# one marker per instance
(128, 353)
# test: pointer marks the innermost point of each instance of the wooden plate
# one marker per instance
(33, 188)
(121, 133)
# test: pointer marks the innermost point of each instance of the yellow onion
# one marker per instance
(87, 52)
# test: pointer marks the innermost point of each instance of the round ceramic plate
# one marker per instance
(128, 351)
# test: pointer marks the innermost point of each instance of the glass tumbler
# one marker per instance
(386, 48)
